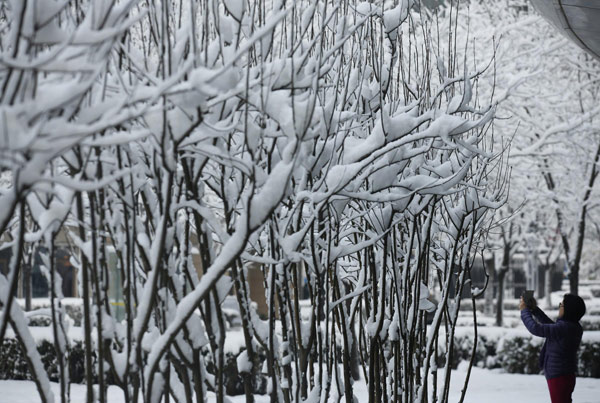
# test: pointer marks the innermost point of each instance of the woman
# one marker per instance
(558, 358)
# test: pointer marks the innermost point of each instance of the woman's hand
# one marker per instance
(522, 304)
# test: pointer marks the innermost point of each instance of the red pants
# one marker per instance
(561, 388)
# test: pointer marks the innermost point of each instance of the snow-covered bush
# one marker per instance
(589, 322)
(463, 351)
(232, 373)
(175, 144)
(517, 353)
(520, 355)
(74, 311)
(14, 365)
(40, 321)
(589, 359)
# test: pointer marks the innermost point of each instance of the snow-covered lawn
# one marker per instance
(490, 386)
(486, 386)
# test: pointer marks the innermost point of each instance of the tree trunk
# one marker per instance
(501, 275)
(489, 295)
(500, 302)
(354, 358)
(574, 280)
(548, 285)
(27, 286)
(574, 264)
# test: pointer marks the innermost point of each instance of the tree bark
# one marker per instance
(489, 293)
(548, 285)
(500, 299)
(501, 274)
(27, 286)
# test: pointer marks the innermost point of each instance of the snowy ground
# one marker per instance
(485, 386)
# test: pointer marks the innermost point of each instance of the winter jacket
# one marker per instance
(559, 353)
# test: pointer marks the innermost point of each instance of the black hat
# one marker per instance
(574, 307)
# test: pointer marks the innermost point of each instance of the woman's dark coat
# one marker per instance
(559, 354)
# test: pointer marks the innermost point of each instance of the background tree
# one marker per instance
(547, 94)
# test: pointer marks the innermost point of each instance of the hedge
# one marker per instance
(463, 347)
(520, 355)
(14, 366)
(517, 354)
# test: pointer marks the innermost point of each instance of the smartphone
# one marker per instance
(528, 298)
